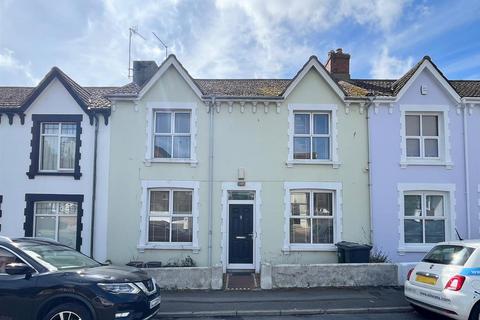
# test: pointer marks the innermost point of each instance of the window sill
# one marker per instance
(334, 164)
(311, 248)
(193, 163)
(404, 164)
(74, 174)
(173, 246)
(415, 248)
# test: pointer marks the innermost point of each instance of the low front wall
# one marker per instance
(328, 275)
(188, 278)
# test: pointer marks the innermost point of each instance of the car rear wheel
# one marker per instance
(475, 314)
(68, 311)
(420, 310)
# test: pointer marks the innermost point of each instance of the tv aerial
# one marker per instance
(133, 31)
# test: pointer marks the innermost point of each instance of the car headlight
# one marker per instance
(118, 288)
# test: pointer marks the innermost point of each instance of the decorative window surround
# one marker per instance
(171, 106)
(30, 200)
(444, 132)
(292, 108)
(249, 186)
(450, 234)
(143, 243)
(336, 187)
(38, 119)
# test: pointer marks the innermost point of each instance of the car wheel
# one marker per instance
(68, 311)
(420, 310)
(475, 314)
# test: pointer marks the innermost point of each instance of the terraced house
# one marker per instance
(239, 173)
(236, 172)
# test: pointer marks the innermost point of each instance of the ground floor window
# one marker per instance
(425, 217)
(311, 217)
(170, 217)
(55, 216)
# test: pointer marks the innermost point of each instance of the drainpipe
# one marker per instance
(211, 110)
(94, 186)
(370, 101)
(467, 171)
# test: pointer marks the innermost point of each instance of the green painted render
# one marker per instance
(257, 142)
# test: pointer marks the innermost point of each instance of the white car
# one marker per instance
(447, 280)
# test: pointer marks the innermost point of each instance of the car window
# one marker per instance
(449, 254)
(55, 257)
(6, 257)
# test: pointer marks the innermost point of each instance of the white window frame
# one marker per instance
(333, 187)
(56, 215)
(444, 154)
(147, 186)
(59, 136)
(152, 109)
(447, 190)
(333, 120)
(169, 213)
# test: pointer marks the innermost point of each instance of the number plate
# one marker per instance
(428, 280)
(155, 302)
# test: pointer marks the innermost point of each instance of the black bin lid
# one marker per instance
(352, 245)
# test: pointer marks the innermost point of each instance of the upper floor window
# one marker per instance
(172, 135)
(55, 145)
(311, 139)
(422, 135)
(312, 135)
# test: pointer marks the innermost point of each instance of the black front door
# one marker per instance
(240, 250)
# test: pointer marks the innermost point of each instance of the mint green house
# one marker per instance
(236, 173)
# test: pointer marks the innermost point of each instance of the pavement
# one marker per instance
(284, 302)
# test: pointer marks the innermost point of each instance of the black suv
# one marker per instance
(44, 280)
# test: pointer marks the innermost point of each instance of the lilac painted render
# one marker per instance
(418, 172)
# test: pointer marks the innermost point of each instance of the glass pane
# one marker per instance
(67, 208)
(50, 128)
(320, 124)
(181, 147)
(67, 152)
(69, 128)
(159, 229)
(435, 206)
(321, 148)
(412, 124)
(434, 231)
(45, 227)
(449, 254)
(182, 229)
(67, 231)
(159, 201)
(413, 231)
(431, 148)
(182, 122)
(49, 153)
(163, 147)
(322, 230)
(241, 195)
(302, 123)
(300, 203)
(300, 230)
(162, 122)
(301, 148)
(6, 257)
(322, 203)
(45, 207)
(413, 147)
(430, 126)
(182, 202)
(413, 205)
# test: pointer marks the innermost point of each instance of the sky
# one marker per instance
(88, 39)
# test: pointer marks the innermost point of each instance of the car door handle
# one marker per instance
(240, 237)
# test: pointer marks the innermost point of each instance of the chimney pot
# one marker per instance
(338, 64)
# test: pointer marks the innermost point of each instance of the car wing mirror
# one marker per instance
(19, 269)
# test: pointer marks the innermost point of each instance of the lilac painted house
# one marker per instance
(424, 154)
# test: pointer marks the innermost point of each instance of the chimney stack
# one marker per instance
(143, 71)
(338, 64)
